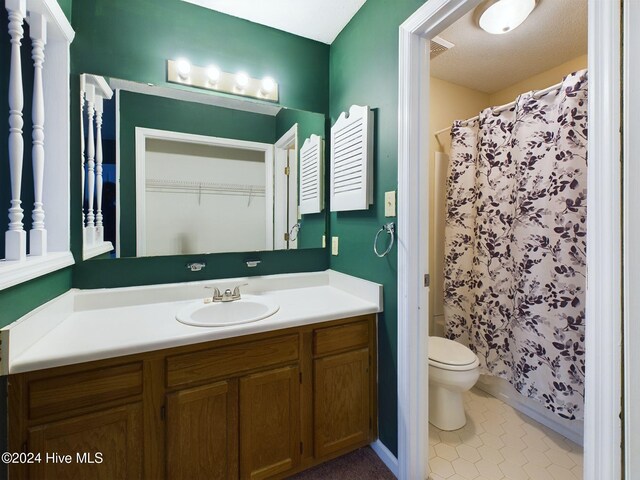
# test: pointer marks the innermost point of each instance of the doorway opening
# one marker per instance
(602, 383)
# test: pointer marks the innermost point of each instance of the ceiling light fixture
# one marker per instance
(502, 16)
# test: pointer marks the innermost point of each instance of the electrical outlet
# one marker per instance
(334, 245)
(324, 241)
(390, 204)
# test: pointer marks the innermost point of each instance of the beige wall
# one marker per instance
(538, 82)
(449, 102)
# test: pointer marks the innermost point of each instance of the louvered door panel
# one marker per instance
(311, 174)
(352, 160)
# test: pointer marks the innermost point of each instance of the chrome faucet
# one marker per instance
(228, 295)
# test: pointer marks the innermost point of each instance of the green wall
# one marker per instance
(364, 71)
(19, 300)
(132, 40)
(169, 269)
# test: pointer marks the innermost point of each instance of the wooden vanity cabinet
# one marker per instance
(255, 407)
(269, 423)
(83, 422)
(343, 392)
(202, 433)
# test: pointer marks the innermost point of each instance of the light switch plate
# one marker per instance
(334, 245)
(324, 241)
(390, 204)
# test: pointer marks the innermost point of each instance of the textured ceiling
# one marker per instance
(555, 32)
(319, 20)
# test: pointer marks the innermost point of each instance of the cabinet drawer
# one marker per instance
(83, 389)
(230, 359)
(342, 337)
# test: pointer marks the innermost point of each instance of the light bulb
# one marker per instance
(242, 80)
(268, 84)
(213, 74)
(184, 68)
(503, 16)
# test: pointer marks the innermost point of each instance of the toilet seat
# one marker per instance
(449, 355)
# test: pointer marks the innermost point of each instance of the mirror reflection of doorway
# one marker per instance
(200, 194)
(285, 190)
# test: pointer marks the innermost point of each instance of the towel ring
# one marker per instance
(296, 229)
(390, 229)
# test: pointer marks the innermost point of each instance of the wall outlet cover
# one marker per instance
(390, 204)
(334, 245)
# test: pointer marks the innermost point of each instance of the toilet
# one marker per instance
(453, 369)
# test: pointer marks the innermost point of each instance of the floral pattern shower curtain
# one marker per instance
(515, 243)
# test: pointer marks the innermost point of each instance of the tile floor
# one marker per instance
(500, 443)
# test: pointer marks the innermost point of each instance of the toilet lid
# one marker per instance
(448, 352)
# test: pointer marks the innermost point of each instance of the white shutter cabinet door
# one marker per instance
(311, 174)
(352, 160)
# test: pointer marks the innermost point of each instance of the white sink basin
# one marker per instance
(250, 308)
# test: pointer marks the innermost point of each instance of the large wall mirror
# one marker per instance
(184, 173)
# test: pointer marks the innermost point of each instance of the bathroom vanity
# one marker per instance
(160, 399)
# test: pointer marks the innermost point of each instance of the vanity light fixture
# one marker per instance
(502, 16)
(184, 68)
(267, 85)
(242, 80)
(213, 74)
(211, 77)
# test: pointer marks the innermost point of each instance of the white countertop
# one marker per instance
(88, 325)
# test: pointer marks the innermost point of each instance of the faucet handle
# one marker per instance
(236, 290)
(217, 296)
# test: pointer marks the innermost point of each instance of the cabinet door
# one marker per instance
(103, 445)
(202, 432)
(341, 401)
(269, 422)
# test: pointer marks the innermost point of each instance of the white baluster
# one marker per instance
(82, 153)
(91, 177)
(99, 227)
(15, 237)
(38, 233)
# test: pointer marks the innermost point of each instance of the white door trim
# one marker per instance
(142, 134)
(603, 380)
(631, 222)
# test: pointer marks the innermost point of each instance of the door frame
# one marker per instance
(631, 232)
(603, 383)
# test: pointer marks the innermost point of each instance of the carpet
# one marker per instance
(362, 464)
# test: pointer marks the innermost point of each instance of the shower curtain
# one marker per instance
(515, 243)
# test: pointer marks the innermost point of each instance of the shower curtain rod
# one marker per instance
(504, 107)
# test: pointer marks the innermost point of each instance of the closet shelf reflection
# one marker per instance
(180, 186)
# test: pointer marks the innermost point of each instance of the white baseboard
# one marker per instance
(502, 390)
(386, 456)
